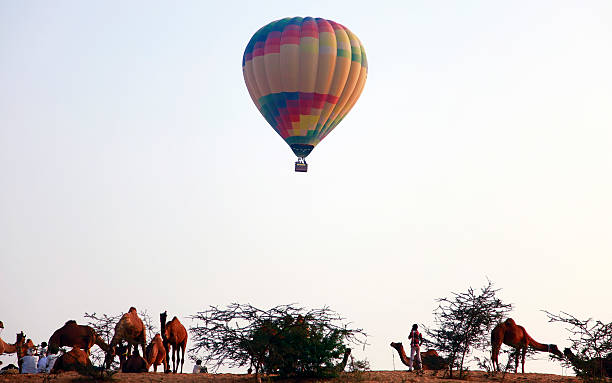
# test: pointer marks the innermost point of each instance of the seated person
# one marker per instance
(52, 355)
(198, 368)
(28, 363)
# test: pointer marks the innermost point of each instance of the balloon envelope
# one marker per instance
(304, 75)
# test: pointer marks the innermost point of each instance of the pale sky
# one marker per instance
(136, 171)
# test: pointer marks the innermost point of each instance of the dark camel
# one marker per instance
(130, 329)
(135, 363)
(516, 336)
(594, 368)
(156, 353)
(174, 335)
(430, 358)
(74, 360)
(75, 335)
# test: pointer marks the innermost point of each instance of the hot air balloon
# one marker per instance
(304, 75)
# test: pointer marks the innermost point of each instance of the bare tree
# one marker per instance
(592, 340)
(464, 322)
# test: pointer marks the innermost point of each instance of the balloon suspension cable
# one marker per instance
(301, 165)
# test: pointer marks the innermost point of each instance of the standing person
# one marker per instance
(415, 346)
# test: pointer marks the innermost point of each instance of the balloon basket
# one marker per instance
(301, 167)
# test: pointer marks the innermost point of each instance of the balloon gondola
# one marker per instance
(304, 75)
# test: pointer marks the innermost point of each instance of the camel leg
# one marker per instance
(182, 359)
(175, 361)
(523, 359)
(494, 356)
(516, 360)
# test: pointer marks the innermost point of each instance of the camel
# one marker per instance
(135, 363)
(131, 329)
(430, 358)
(8, 348)
(75, 335)
(596, 367)
(174, 335)
(510, 333)
(74, 360)
(156, 353)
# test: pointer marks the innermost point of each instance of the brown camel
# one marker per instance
(130, 329)
(75, 335)
(156, 353)
(74, 360)
(516, 336)
(8, 348)
(174, 335)
(594, 368)
(430, 358)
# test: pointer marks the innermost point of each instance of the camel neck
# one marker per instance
(539, 346)
(402, 354)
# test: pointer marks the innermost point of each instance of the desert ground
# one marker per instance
(360, 377)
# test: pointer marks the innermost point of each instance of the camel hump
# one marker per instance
(132, 309)
(175, 318)
(511, 322)
(71, 321)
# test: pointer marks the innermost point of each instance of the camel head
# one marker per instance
(397, 345)
(553, 349)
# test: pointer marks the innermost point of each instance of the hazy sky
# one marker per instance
(136, 171)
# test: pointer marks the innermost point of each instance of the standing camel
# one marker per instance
(175, 336)
(516, 336)
(130, 329)
(156, 353)
(75, 335)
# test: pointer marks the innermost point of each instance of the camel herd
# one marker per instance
(129, 329)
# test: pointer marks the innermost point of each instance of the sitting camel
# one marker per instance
(74, 360)
(75, 335)
(130, 329)
(594, 368)
(156, 353)
(135, 363)
(174, 335)
(510, 333)
(430, 358)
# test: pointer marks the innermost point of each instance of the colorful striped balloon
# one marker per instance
(304, 75)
